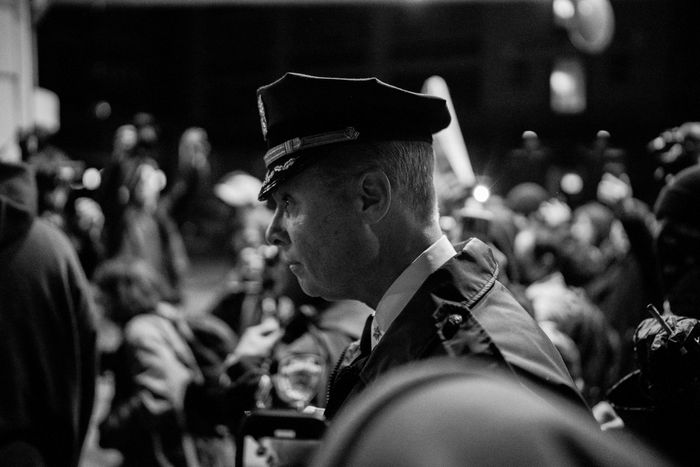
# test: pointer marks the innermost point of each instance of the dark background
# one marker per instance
(201, 66)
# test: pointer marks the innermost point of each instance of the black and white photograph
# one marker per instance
(349, 233)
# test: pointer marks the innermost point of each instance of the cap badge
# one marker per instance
(263, 118)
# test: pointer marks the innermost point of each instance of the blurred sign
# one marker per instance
(46, 110)
(449, 141)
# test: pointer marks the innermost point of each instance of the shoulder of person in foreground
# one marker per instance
(444, 412)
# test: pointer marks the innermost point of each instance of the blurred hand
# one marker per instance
(606, 416)
(614, 190)
(257, 341)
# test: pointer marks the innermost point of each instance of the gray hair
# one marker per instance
(408, 165)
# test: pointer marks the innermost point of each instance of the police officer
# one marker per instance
(350, 177)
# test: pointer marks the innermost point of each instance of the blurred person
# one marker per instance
(599, 259)
(47, 333)
(181, 382)
(313, 326)
(349, 173)
(524, 200)
(188, 195)
(494, 224)
(659, 400)
(440, 412)
(247, 217)
(249, 281)
(539, 255)
(64, 202)
(637, 270)
(148, 232)
(675, 149)
(112, 195)
(36, 146)
(148, 132)
(528, 163)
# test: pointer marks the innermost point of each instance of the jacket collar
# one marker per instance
(465, 278)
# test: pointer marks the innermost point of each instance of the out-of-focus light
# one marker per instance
(92, 178)
(571, 183)
(568, 86)
(657, 144)
(563, 9)
(103, 110)
(562, 83)
(481, 193)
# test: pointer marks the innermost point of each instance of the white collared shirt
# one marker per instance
(405, 286)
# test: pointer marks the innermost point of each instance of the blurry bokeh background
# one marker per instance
(199, 63)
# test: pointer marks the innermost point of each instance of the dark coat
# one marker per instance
(47, 332)
(461, 309)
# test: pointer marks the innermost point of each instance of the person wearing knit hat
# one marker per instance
(659, 400)
(350, 178)
(679, 200)
(677, 211)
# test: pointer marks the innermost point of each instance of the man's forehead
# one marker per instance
(310, 178)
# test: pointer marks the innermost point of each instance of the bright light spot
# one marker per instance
(568, 86)
(563, 9)
(92, 178)
(562, 82)
(658, 143)
(103, 110)
(571, 183)
(481, 193)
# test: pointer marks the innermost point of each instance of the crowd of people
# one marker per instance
(346, 268)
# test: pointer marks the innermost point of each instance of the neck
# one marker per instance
(398, 248)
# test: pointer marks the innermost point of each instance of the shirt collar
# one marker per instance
(405, 286)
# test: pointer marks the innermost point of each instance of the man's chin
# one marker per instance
(308, 289)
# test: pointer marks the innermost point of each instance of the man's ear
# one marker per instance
(374, 195)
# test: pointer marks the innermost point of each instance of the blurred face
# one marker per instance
(194, 144)
(125, 138)
(320, 236)
(147, 190)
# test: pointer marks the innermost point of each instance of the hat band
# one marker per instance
(297, 144)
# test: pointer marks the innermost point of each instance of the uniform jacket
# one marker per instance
(460, 310)
(47, 331)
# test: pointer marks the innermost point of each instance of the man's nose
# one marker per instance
(276, 234)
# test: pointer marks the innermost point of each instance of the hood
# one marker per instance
(18, 198)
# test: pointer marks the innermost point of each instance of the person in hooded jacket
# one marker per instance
(659, 400)
(47, 333)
